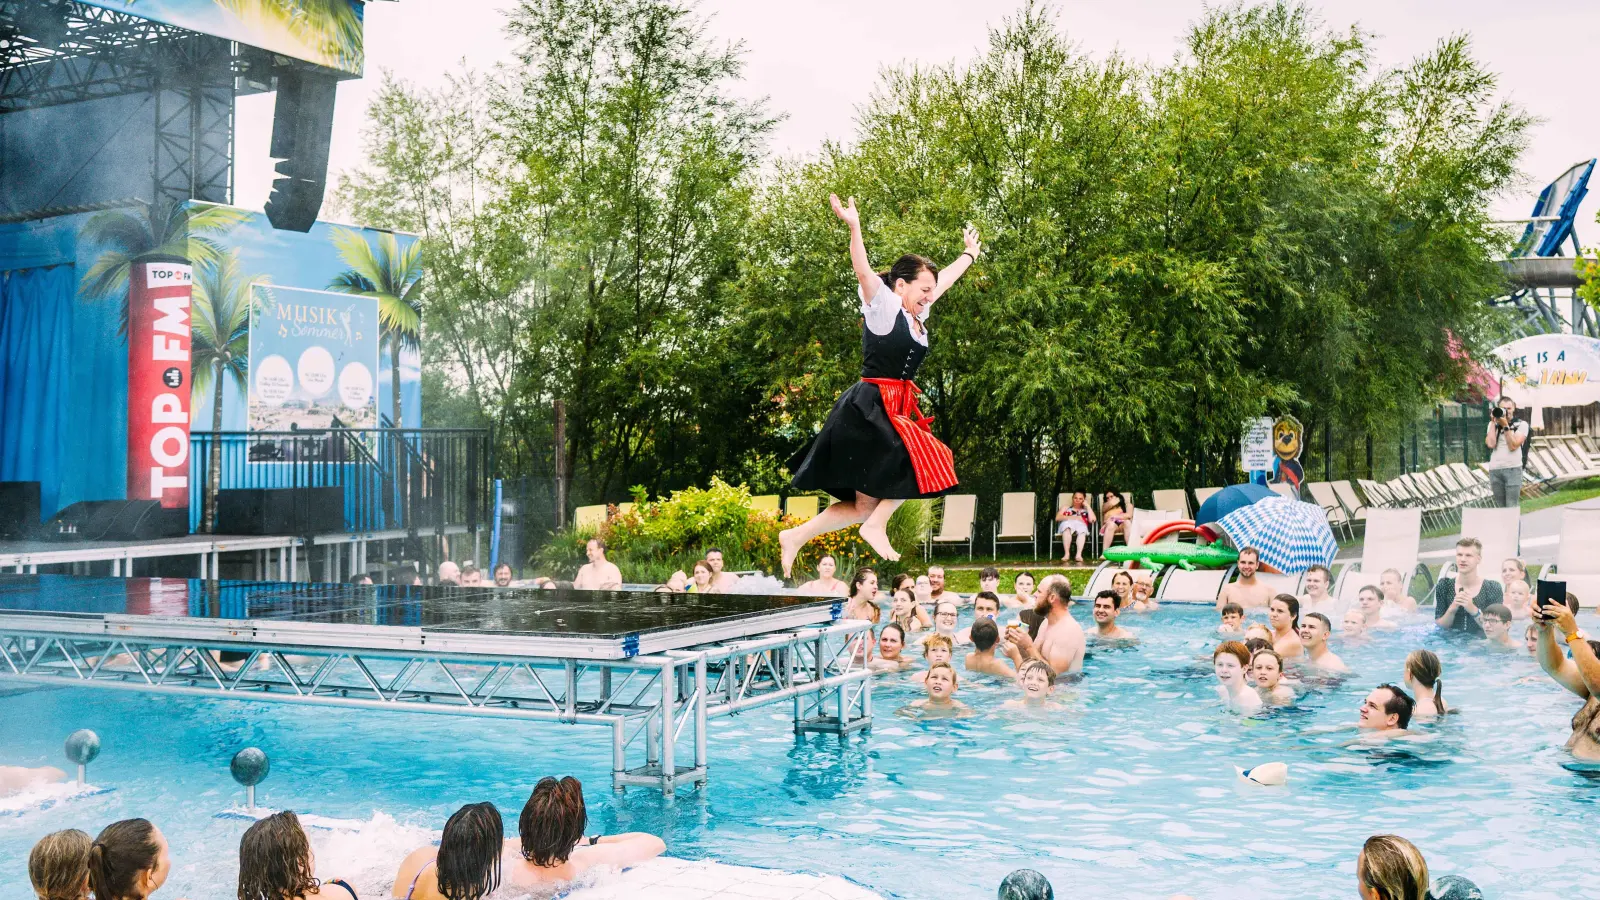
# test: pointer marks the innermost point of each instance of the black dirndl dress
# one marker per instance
(875, 441)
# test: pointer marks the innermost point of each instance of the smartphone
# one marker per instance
(1551, 593)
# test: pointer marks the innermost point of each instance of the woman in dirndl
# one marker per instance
(877, 450)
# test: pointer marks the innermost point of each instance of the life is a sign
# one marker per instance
(159, 293)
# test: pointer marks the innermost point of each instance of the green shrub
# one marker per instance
(655, 538)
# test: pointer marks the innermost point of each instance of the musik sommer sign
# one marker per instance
(313, 357)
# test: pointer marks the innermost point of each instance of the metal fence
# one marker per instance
(1452, 432)
(419, 480)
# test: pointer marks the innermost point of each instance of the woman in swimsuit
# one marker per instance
(825, 584)
(275, 861)
(550, 846)
(1115, 515)
(465, 865)
(129, 860)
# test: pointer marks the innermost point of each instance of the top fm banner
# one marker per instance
(325, 32)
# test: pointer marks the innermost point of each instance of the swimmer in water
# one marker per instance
(891, 650)
(1530, 639)
(945, 616)
(985, 635)
(1385, 713)
(1519, 599)
(1369, 602)
(1268, 669)
(1283, 611)
(1257, 630)
(1021, 593)
(1424, 675)
(1496, 624)
(936, 649)
(1038, 682)
(940, 684)
(1314, 631)
(1354, 624)
(1229, 661)
(985, 605)
(905, 612)
(1394, 592)
(1232, 619)
(1106, 608)
(1143, 599)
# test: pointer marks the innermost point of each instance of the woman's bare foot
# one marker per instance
(878, 540)
(789, 543)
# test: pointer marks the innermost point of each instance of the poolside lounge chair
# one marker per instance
(1393, 541)
(1018, 523)
(624, 508)
(1351, 501)
(1282, 582)
(1322, 494)
(1198, 586)
(765, 503)
(588, 518)
(957, 525)
(1146, 521)
(1578, 554)
(1100, 578)
(1201, 495)
(1285, 490)
(803, 507)
(1174, 500)
(1497, 529)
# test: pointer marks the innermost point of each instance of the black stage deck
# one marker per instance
(485, 620)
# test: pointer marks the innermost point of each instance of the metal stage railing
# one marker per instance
(419, 480)
(663, 697)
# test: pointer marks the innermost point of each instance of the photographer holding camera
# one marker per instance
(1505, 436)
(1580, 674)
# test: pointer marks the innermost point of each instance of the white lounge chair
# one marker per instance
(1285, 490)
(1100, 578)
(1018, 522)
(1198, 586)
(1175, 500)
(1322, 494)
(958, 523)
(1351, 501)
(588, 518)
(1146, 521)
(1578, 554)
(1498, 529)
(1201, 495)
(1393, 541)
(767, 503)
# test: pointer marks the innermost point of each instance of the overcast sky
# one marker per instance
(805, 57)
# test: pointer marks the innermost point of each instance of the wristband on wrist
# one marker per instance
(1573, 637)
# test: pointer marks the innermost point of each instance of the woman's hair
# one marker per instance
(858, 578)
(1293, 603)
(58, 865)
(122, 850)
(938, 608)
(907, 268)
(1254, 645)
(702, 564)
(1264, 652)
(902, 579)
(552, 821)
(1122, 574)
(896, 628)
(1030, 665)
(275, 860)
(1393, 868)
(469, 852)
(938, 640)
(1236, 649)
(1425, 669)
(1521, 566)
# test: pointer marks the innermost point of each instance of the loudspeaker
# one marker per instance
(302, 127)
(116, 520)
(19, 509)
(280, 510)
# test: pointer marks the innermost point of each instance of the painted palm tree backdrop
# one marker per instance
(219, 352)
(391, 273)
(194, 231)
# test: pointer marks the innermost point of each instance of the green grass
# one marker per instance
(965, 581)
(1571, 493)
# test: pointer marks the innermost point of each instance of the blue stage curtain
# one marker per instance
(63, 389)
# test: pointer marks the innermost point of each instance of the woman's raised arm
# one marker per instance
(949, 274)
(868, 278)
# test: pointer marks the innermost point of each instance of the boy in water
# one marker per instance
(1037, 681)
(1229, 661)
(937, 650)
(1022, 592)
(1232, 619)
(940, 683)
(1314, 631)
(985, 635)
(1497, 627)
(985, 605)
(1107, 604)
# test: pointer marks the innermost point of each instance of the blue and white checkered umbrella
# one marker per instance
(1292, 536)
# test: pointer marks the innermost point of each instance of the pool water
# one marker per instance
(1124, 789)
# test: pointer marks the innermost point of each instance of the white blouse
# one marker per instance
(885, 308)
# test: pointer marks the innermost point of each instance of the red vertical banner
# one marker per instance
(158, 380)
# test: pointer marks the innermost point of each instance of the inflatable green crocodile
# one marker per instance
(1184, 555)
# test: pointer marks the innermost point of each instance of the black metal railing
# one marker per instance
(418, 480)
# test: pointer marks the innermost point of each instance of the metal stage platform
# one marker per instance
(658, 665)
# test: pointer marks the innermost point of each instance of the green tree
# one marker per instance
(392, 275)
(190, 231)
(219, 352)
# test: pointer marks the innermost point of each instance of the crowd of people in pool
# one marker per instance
(1027, 637)
(130, 859)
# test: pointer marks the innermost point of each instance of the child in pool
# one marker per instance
(1037, 681)
(1267, 666)
(940, 683)
(1519, 599)
(1232, 619)
(1229, 661)
(1530, 639)
(1394, 586)
(937, 650)
(905, 612)
(1354, 624)
(1496, 623)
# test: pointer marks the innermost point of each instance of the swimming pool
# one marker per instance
(1126, 790)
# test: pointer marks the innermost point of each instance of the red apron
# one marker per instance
(931, 460)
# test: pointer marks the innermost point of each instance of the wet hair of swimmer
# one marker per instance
(985, 634)
(275, 859)
(1026, 884)
(118, 855)
(469, 852)
(907, 268)
(552, 821)
(1041, 665)
(58, 866)
(1256, 645)
(1293, 603)
(1399, 704)
(1425, 668)
(859, 578)
(1393, 868)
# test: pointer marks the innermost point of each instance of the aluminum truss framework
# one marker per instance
(667, 698)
